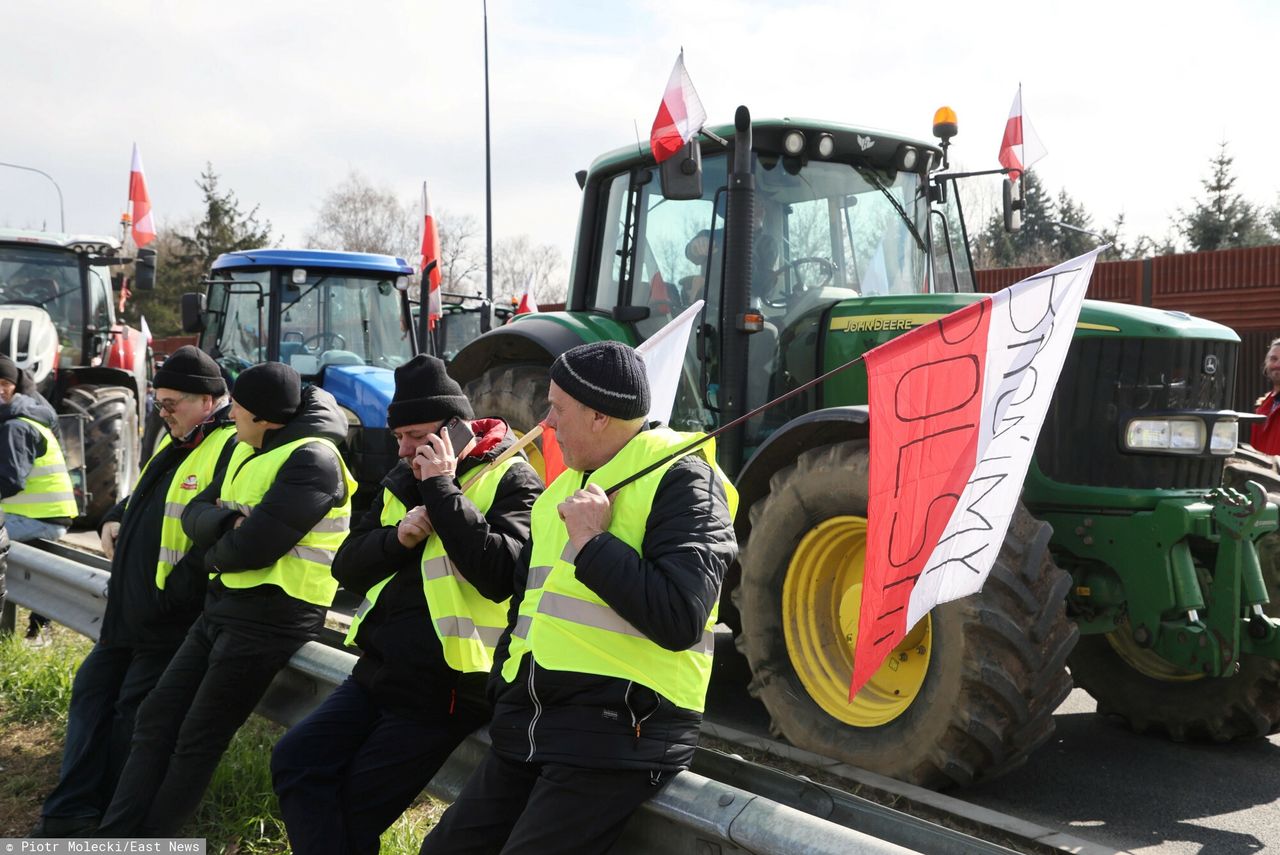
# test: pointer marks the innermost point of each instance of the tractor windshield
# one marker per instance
(49, 279)
(340, 318)
(824, 231)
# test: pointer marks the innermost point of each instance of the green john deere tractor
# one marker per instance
(1124, 568)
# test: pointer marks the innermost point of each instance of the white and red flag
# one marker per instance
(680, 115)
(956, 407)
(430, 263)
(1021, 147)
(144, 228)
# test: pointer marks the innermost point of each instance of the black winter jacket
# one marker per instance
(307, 486)
(21, 444)
(138, 613)
(667, 592)
(402, 663)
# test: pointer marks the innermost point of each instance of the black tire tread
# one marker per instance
(111, 443)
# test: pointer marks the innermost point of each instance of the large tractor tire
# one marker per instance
(1133, 685)
(517, 394)
(971, 691)
(111, 443)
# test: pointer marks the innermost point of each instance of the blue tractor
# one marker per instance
(342, 319)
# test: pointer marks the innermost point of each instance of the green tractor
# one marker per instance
(1124, 569)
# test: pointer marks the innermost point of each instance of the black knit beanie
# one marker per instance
(190, 369)
(606, 376)
(9, 370)
(426, 393)
(271, 391)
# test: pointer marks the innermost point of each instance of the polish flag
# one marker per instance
(680, 115)
(956, 406)
(1021, 147)
(430, 262)
(144, 229)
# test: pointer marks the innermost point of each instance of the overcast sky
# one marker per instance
(284, 97)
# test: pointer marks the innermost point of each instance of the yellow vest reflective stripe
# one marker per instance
(393, 510)
(47, 492)
(467, 623)
(192, 475)
(566, 626)
(303, 572)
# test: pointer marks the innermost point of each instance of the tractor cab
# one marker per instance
(341, 319)
(309, 309)
(839, 213)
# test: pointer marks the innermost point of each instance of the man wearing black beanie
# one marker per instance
(600, 679)
(270, 523)
(156, 590)
(434, 558)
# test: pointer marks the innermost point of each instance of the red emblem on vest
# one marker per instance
(190, 483)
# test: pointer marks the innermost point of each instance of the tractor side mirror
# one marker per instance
(1014, 205)
(144, 270)
(681, 174)
(193, 312)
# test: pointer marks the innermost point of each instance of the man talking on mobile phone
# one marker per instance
(434, 558)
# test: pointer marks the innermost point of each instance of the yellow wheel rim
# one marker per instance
(1146, 661)
(821, 598)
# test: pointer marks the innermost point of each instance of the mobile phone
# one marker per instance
(459, 433)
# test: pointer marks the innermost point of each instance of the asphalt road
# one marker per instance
(1100, 782)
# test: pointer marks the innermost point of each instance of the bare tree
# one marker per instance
(461, 267)
(517, 260)
(358, 217)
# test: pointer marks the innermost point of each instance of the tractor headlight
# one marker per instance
(1180, 436)
(1225, 437)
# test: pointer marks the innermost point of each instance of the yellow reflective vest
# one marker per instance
(303, 572)
(467, 623)
(47, 492)
(193, 474)
(566, 625)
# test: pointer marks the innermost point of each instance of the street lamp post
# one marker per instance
(62, 217)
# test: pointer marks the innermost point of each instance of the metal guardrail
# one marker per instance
(695, 813)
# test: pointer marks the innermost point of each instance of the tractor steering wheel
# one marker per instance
(327, 335)
(777, 295)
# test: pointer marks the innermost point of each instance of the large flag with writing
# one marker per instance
(430, 262)
(1020, 146)
(144, 227)
(956, 406)
(680, 115)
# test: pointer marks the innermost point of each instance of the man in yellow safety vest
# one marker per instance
(271, 523)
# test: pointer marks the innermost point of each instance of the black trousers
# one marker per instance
(108, 689)
(348, 770)
(520, 808)
(183, 727)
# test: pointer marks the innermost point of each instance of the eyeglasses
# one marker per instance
(168, 406)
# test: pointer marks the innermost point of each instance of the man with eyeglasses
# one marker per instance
(156, 591)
